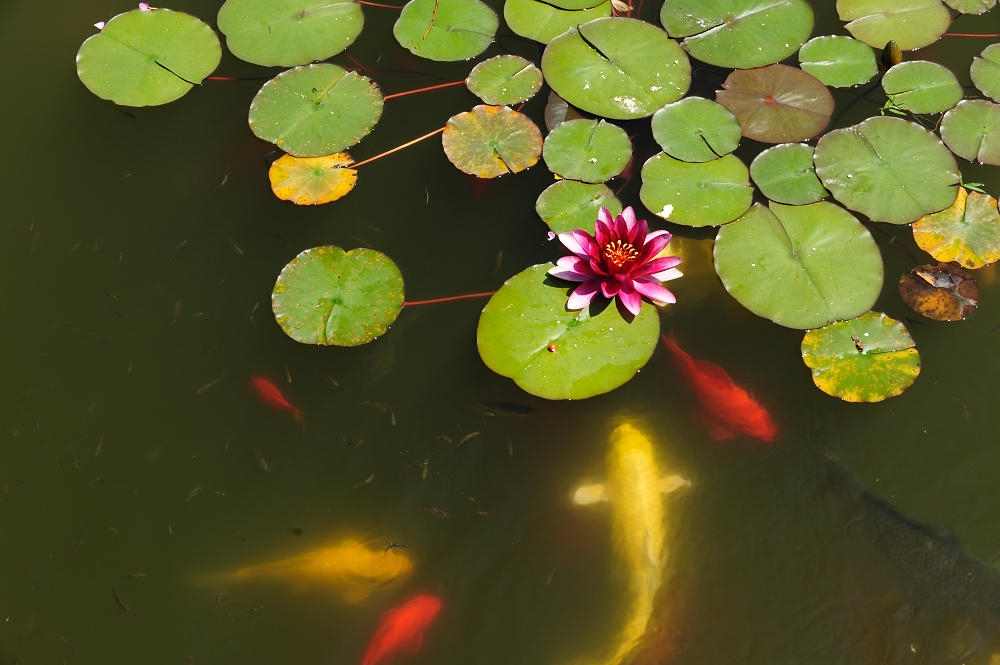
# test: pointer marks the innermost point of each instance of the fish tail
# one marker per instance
(299, 417)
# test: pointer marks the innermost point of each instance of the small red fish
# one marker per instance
(272, 396)
(402, 628)
(731, 410)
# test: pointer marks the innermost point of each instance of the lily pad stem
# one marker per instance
(397, 148)
(432, 301)
(378, 4)
(427, 89)
(968, 34)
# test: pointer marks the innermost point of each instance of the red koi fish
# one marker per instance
(730, 409)
(271, 395)
(402, 628)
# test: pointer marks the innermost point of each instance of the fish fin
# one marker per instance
(719, 431)
(299, 418)
(413, 645)
(586, 495)
(673, 483)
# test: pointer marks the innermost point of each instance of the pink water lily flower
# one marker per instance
(619, 260)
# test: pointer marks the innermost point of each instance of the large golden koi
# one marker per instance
(634, 487)
(355, 569)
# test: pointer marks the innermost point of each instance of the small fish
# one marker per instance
(436, 512)
(402, 628)
(271, 395)
(505, 409)
(730, 409)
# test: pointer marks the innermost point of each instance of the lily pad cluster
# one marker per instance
(626, 111)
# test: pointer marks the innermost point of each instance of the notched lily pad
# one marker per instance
(838, 61)
(920, 86)
(912, 24)
(785, 173)
(446, 30)
(942, 291)
(967, 232)
(696, 194)
(312, 180)
(587, 150)
(489, 141)
(695, 129)
(972, 130)
(985, 72)
(569, 204)
(505, 79)
(544, 21)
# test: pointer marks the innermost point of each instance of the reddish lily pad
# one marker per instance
(943, 292)
(920, 86)
(544, 21)
(568, 204)
(526, 333)
(867, 359)
(696, 194)
(967, 233)
(446, 30)
(972, 130)
(312, 180)
(587, 150)
(785, 173)
(777, 103)
(912, 24)
(505, 79)
(985, 72)
(489, 141)
(331, 297)
(838, 61)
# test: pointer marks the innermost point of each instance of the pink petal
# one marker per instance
(577, 241)
(572, 269)
(655, 291)
(582, 295)
(610, 288)
(604, 215)
(664, 275)
(631, 300)
(655, 266)
(654, 246)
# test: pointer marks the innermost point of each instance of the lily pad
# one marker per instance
(972, 130)
(619, 68)
(147, 57)
(838, 61)
(587, 150)
(315, 110)
(696, 130)
(331, 297)
(777, 103)
(800, 266)
(968, 232)
(312, 180)
(785, 173)
(912, 24)
(889, 169)
(971, 6)
(867, 359)
(567, 204)
(696, 194)
(985, 72)
(289, 32)
(446, 30)
(942, 292)
(738, 33)
(505, 79)
(543, 21)
(489, 141)
(920, 86)
(527, 334)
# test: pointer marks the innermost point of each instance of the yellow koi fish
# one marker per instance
(355, 569)
(634, 488)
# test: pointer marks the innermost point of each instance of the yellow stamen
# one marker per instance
(619, 252)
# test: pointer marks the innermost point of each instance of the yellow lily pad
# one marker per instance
(967, 232)
(943, 292)
(312, 180)
(489, 141)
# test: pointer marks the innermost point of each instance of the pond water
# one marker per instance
(138, 466)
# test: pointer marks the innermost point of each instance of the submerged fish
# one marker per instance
(730, 409)
(402, 628)
(353, 568)
(634, 488)
(271, 395)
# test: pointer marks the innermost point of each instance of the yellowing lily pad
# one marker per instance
(867, 359)
(967, 233)
(446, 30)
(943, 292)
(331, 297)
(312, 180)
(489, 141)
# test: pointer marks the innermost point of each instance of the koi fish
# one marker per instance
(402, 628)
(634, 488)
(730, 409)
(355, 569)
(271, 395)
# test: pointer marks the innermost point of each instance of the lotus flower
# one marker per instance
(619, 260)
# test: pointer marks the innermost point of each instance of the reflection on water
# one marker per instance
(140, 254)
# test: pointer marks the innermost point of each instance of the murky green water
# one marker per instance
(139, 253)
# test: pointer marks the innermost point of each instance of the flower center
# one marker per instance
(619, 252)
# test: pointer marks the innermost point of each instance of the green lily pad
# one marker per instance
(785, 173)
(568, 204)
(331, 297)
(696, 130)
(920, 86)
(912, 24)
(587, 150)
(985, 72)
(527, 334)
(967, 232)
(543, 21)
(289, 32)
(972, 130)
(147, 57)
(315, 110)
(867, 359)
(800, 266)
(777, 103)
(619, 68)
(838, 61)
(446, 30)
(738, 33)
(489, 141)
(889, 169)
(696, 194)
(505, 79)
(971, 6)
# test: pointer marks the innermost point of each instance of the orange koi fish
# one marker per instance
(271, 395)
(730, 409)
(402, 628)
